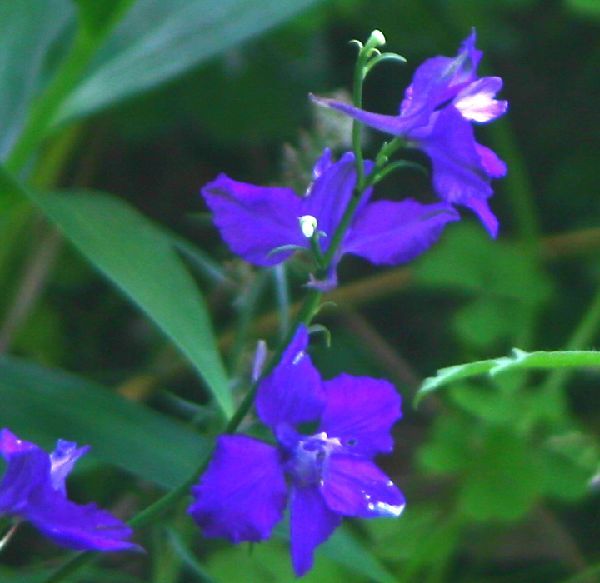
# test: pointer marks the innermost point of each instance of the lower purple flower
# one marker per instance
(324, 476)
(33, 489)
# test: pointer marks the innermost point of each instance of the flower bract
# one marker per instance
(322, 474)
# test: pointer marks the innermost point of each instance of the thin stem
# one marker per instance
(31, 286)
(357, 95)
(581, 338)
(45, 108)
(11, 531)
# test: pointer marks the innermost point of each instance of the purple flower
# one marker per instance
(264, 225)
(33, 489)
(445, 96)
(324, 476)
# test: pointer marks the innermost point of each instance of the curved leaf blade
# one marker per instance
(159, 40)
(519, 360)
(139, 258)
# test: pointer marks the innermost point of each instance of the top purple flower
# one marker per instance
(445, 96)
(264, 224)
(325, 475)
(33, 488)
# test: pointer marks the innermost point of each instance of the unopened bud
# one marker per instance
(376, 39)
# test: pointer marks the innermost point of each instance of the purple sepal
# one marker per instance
(293, 392)
(355, 486)
(311, 523)
(360, 412)
(461, 165)
(255, 220)
(33, 489)
(243, 492)
(389, 233)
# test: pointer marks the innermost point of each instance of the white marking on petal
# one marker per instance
(383, 509)
(308, 225)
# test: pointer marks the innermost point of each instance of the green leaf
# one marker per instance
(28, 29)
(140, 259)
(519, 360)
(589, 8)
(43, 405)
(160, 40)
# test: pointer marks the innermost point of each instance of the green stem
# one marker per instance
(45, 108)
(357, 92)
(582, 337)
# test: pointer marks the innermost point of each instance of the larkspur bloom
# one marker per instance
(325, 475)
(33, 489)
(263, 225)
(445, 96)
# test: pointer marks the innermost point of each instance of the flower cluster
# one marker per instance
(326, 433)
(33, 489)
(323, 476)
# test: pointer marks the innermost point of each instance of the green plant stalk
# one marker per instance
(44, 109)
(581, 338)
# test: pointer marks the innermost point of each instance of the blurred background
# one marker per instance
(502, 477)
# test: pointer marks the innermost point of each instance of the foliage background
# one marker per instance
(499, 473)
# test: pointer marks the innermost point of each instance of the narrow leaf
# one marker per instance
(139, 258)
(159, 40)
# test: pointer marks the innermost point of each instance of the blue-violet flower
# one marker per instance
(445, 96)
(33, 489)
(265, 224)
(325, 475)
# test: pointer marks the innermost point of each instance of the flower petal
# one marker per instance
(459, 173)
(311, 523)
(355, 486)
(438, 80)
(62, 460)
(360, 412)
(329, 196)
(391, 124)
(243, 492)
(255, 220)
(293, 392)
(27, 470)
(476, 101)
(395, 232)
(77, 527)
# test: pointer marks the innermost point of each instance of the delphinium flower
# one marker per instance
(264, 224)
(324, 475)
(446, 95)
(33, 489)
